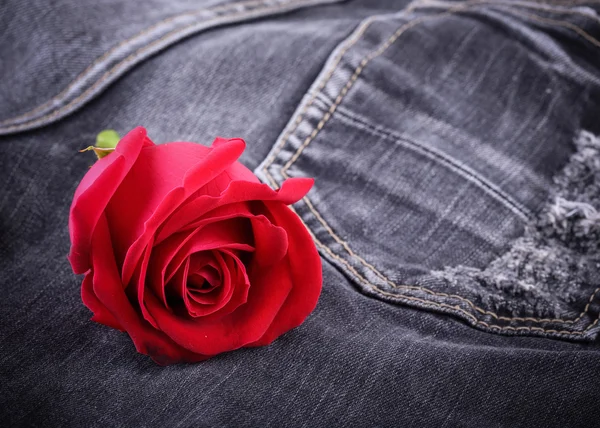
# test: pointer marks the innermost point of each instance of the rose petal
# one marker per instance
(215, 294)
(141, 284)
(248, 323)
(167, 257)
(175, 288)
(101, 314)
(205, 275)
(232, 233)
(192, 307)
(95, 191)
(226, 212)
(240, 289)
(156, 275)
(237, 170)
(171, 175)
(304, 270)
(270, 241)
(291, 191)
(205, 267)
(109, 291)
(215, 301)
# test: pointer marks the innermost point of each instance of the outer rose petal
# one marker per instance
(304, 271)
(157, 175)
(95, 191)
(236, 171)
(167, 175)
(101, 314)
(109, 291)
(270, 241)
(291, 191)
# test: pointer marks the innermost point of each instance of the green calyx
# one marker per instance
(106, 141)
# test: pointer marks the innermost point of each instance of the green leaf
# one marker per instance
(107, 139)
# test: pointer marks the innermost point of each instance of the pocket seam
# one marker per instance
(392, 136)
(328, 114)
(27, 115)
(378, 52)
(349, 43)
(28, 120)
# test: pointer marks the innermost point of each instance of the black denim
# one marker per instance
(456, 206)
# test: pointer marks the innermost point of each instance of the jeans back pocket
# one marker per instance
(451, 172)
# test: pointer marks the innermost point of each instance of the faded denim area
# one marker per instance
(461, 159)
(442, 141)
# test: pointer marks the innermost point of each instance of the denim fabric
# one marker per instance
(456, 158)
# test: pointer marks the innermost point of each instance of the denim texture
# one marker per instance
(455, 151)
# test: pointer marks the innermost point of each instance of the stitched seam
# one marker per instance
(395, 36)
(444, 305)
(560, 23)
(133, 56)
(31, 113)
(440, 294)
(121, 44)
(325, 118)
(389, 42)
(320, 125)
(286, 136)
(336, 62)
(384, 133)
(546, 7)
(565, 24)
(568, 2)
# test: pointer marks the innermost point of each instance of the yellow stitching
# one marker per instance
(545, 9)
(337, 60)
(122, 43)
(346, 246)
(350, 83)
(394, 285)
(365, 281)
(565, 24)
(534, 4)
(444, 305)
(327, 116)
(426, 290)
(568, 2)
(383, 48)
(548, 7)
(457, 308)
(413, 6)
(254, 2)
(355, 37)
(137, 52)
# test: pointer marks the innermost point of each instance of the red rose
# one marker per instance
(184, 249)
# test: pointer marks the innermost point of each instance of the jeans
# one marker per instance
(456, 206)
